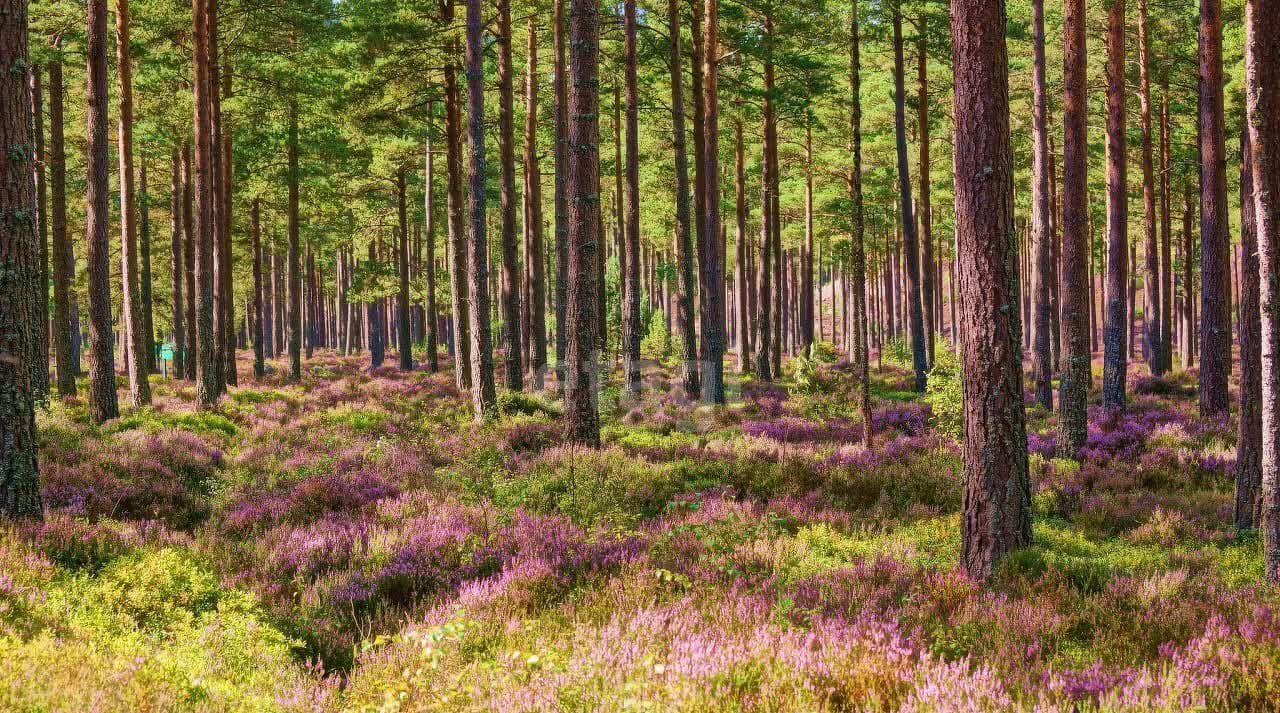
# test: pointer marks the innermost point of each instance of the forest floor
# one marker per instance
(355, 542)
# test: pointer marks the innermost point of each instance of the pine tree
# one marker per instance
(19, 256)
(996, 517)
(582, 357)
(103, 403)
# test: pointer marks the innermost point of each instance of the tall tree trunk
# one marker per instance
(189, 256)
(806, 267)
(698, 114)
(743, 291)
(377, 347)
(560, 198)
(582, 419)
(227, 258)
(1166, 240)
(208, 373)
(294, 269)
(135, 339)
(404, 341)
(1249, 443)
(857, 250)
(1115, 336)
(1152, 319)
(1077, 244)
(686, 279)
(103, 404)
(429, 262)
(533, 247)
(1188, 282)
(1262, 84)
(483, 395)
(713, 276)
(629, 223)
(1041, 235)
(19, 257)
(927, 286)
(64, 262)
(507, 158)
(309, 306)
(255, 236)
(176, 266)
(145, 291)
(911, 246)
(39, 362)
(996, 517)
(1215, 235)
(457, 230)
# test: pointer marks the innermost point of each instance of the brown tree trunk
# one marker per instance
(177, 312)
(226, 256)
(698, 115)
(510, 296)
(1248, 482)
(927, 285)
(64, 263)
(743, 291)
(560, 199)
(189, 257)
(377, 347)
(457, 230)
(1215, 235)
(1115, 334)
(145, 292)
(686, 278)
(208, 381)
(1188, 282)
(20, 254)
(1166, 240)
(996, 517)
(1041, 235)
(39, 362)
(135, 338)
(1152, 319)
(294, 269)
(713, 275)
(1077, 243)
(911, 246)
(629, 223)
(255, 236)
(404, 341)
(1262, 83)
(103, 404)
(582, 419)
(430, 319)
(533, 248)
(806, 266)
(857, 250)
(483, 395)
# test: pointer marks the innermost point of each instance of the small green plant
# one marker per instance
(656, 344)
(897, 350)
(945, 393)
(518, 403)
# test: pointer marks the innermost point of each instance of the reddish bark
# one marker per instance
(103, 403)
(582, 419)
(1215, 235)
(996, 509)
(19, 257)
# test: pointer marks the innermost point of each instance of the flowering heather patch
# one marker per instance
(159, 476)
(765, 399)
(907, 418)
(1043, 444)
(790, 429)
(305, 500)
(759, 557)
